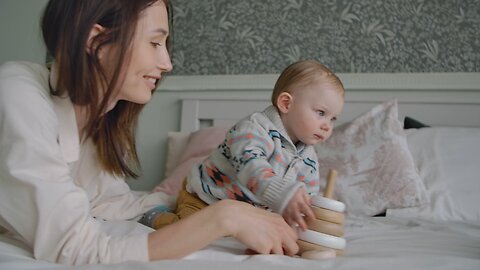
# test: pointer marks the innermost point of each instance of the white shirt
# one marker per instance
(53, 194)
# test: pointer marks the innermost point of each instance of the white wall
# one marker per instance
(20, 30)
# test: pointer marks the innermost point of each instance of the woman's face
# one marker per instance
(149, 58)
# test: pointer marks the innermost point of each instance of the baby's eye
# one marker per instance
(321, 113)
(334, 119)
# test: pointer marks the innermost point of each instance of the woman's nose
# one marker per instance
(164, 63)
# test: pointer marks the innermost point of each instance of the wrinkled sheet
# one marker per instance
(372, 243)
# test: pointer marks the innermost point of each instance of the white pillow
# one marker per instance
(375, 168)
(448, 159)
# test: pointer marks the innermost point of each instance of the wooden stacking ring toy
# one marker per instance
(305, 246)
(328, 215)
(319, 254)
(323, 239)
(325, 227)
(323, 202)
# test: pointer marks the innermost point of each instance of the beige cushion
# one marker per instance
(375, 168)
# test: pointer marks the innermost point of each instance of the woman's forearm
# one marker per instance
(188, 235)
(258, 229)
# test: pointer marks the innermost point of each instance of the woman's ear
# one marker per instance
(94, 32)
(284, 101)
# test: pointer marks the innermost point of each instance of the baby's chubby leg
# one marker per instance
(188, 203)
(161, 216)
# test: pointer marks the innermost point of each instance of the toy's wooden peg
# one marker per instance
(331, 179)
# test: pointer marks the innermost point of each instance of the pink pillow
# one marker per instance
(199, 145)
(375, 168)
(176, 144)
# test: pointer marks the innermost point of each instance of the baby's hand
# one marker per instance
(298, 208)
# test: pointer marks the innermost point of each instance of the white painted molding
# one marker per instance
(443, 110)
(351, 81)
(439, 99)
(442, 99)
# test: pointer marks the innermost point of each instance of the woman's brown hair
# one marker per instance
(303, 73)
(66, 26)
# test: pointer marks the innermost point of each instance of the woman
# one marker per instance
(67, 143)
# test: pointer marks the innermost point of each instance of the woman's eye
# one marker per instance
(156, 44)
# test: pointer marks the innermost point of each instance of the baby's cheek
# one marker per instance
(329, 133)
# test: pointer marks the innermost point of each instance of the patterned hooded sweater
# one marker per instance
(257, 163)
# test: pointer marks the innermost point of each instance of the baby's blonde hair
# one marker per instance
(302, 73)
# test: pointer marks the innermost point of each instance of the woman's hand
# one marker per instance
(258, 229)
(298, 209)
(262, 231)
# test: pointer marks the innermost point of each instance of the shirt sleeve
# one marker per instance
(111, 197)
(38, 198)
(117, 202)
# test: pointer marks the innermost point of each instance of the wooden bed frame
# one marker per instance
(437, 99)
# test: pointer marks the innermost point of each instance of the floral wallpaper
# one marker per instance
(349, 36)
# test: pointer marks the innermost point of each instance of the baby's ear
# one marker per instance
(284, 102)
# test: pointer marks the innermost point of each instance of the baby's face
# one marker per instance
(312, 113)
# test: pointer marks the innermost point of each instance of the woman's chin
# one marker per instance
(142, 99)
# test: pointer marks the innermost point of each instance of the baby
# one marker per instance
(267, 159)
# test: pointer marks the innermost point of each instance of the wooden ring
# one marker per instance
(327, 203)
(326, 227)
(306, 246)
(328, 215)
(322, 239)
(319, 254)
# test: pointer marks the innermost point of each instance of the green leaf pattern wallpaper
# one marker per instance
(349, 36)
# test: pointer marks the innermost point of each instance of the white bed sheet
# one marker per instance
(372, 243)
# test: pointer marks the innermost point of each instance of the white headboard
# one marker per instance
(437, 99)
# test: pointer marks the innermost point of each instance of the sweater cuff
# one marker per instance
(285, 199)
(278, 193)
